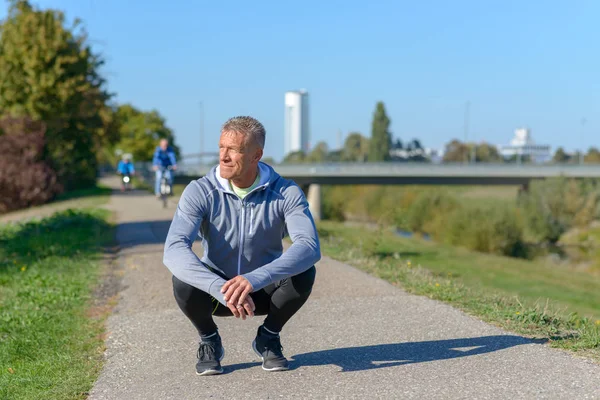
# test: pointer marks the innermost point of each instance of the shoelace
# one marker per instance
(274, 346)
(206, 351)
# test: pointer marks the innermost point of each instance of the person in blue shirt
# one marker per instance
(164, 157)
(125, 167)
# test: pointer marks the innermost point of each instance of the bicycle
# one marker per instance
(165, 186)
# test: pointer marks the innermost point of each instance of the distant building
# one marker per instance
(522, 144)
(296, 130)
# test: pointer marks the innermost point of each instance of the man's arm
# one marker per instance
(155, 159)
(305, 250)
(178, 254)
(172, 157)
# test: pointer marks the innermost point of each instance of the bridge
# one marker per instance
(311, 176)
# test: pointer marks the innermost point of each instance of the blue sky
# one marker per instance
(518, 63)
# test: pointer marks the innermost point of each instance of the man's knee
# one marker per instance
(303, 282)
(182, 291)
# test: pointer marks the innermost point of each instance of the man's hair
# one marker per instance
(247, 126)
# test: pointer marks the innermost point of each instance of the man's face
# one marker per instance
(164, 144)
(236, 157)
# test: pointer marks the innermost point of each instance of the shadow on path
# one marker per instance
(395, 354)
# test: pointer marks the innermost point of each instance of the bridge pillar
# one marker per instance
(314, 200)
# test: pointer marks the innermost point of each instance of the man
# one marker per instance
(242, 209)
(164, 157)
(125, 168)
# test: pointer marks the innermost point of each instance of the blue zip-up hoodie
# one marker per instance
(241, 236)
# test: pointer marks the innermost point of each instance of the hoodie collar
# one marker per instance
(266, 173)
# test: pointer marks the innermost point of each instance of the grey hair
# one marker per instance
(250, 127)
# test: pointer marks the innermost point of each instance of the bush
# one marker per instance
(26, 180)
(489, 229)
(429, 212)
(553, 206)
(333, 203)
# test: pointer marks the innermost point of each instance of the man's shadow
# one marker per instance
(389, 355)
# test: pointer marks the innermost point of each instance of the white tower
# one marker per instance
(296, 128)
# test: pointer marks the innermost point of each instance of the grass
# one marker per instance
(84, 198)
(528, 297)
(51, 346)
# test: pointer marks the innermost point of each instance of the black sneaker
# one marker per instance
(268, 348)
(210, 353)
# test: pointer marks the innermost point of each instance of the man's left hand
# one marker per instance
(236, 290)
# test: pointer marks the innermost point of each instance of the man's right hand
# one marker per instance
(155, 167)
(245, 310)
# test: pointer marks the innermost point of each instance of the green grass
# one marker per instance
(528, 297)
(51, 346)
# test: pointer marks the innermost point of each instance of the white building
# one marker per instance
(522, 144)
(296, 130)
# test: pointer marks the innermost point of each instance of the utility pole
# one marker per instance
(466, 127)
(201, 132)
(581, 154)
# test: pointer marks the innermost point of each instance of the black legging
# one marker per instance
(278, 301)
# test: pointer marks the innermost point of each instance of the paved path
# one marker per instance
(356, 337)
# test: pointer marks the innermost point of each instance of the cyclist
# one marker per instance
(125, 168)
(164, 157)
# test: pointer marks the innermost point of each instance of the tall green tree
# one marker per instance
(140, 132)
(381, 138)
(356, 148)
(49, 73)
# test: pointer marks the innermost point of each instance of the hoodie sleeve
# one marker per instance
(172, 157)
(178, 255)
(155, 158)
(305, 250)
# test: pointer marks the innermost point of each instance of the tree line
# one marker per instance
(58, 120)
(381, 147)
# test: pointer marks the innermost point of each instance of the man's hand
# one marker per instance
(245, 309)
(236, 290)
(174, 167)
(155, 167)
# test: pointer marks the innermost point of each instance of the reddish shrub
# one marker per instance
(26, 179)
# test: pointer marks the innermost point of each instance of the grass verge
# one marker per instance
(523, 296)
(51, 346)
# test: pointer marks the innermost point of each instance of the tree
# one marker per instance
(295, 157)
(560, 156)
(381, 139)
(318, 154)
(593, 156)
(49, 73)
(456, 151)
(356, 148)
(486, 153)
(141, 131)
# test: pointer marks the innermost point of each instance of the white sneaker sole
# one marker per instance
(263, 360)
(213, 371)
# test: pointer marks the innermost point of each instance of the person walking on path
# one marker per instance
(242, 209)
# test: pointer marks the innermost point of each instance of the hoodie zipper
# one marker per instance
(241, 238)
(251, 218)
(243, 226)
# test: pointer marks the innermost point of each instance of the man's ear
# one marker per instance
(258, 155)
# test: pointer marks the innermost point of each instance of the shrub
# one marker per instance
(553, 206)
(489, 229)
(429, 210)
(26, 180)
